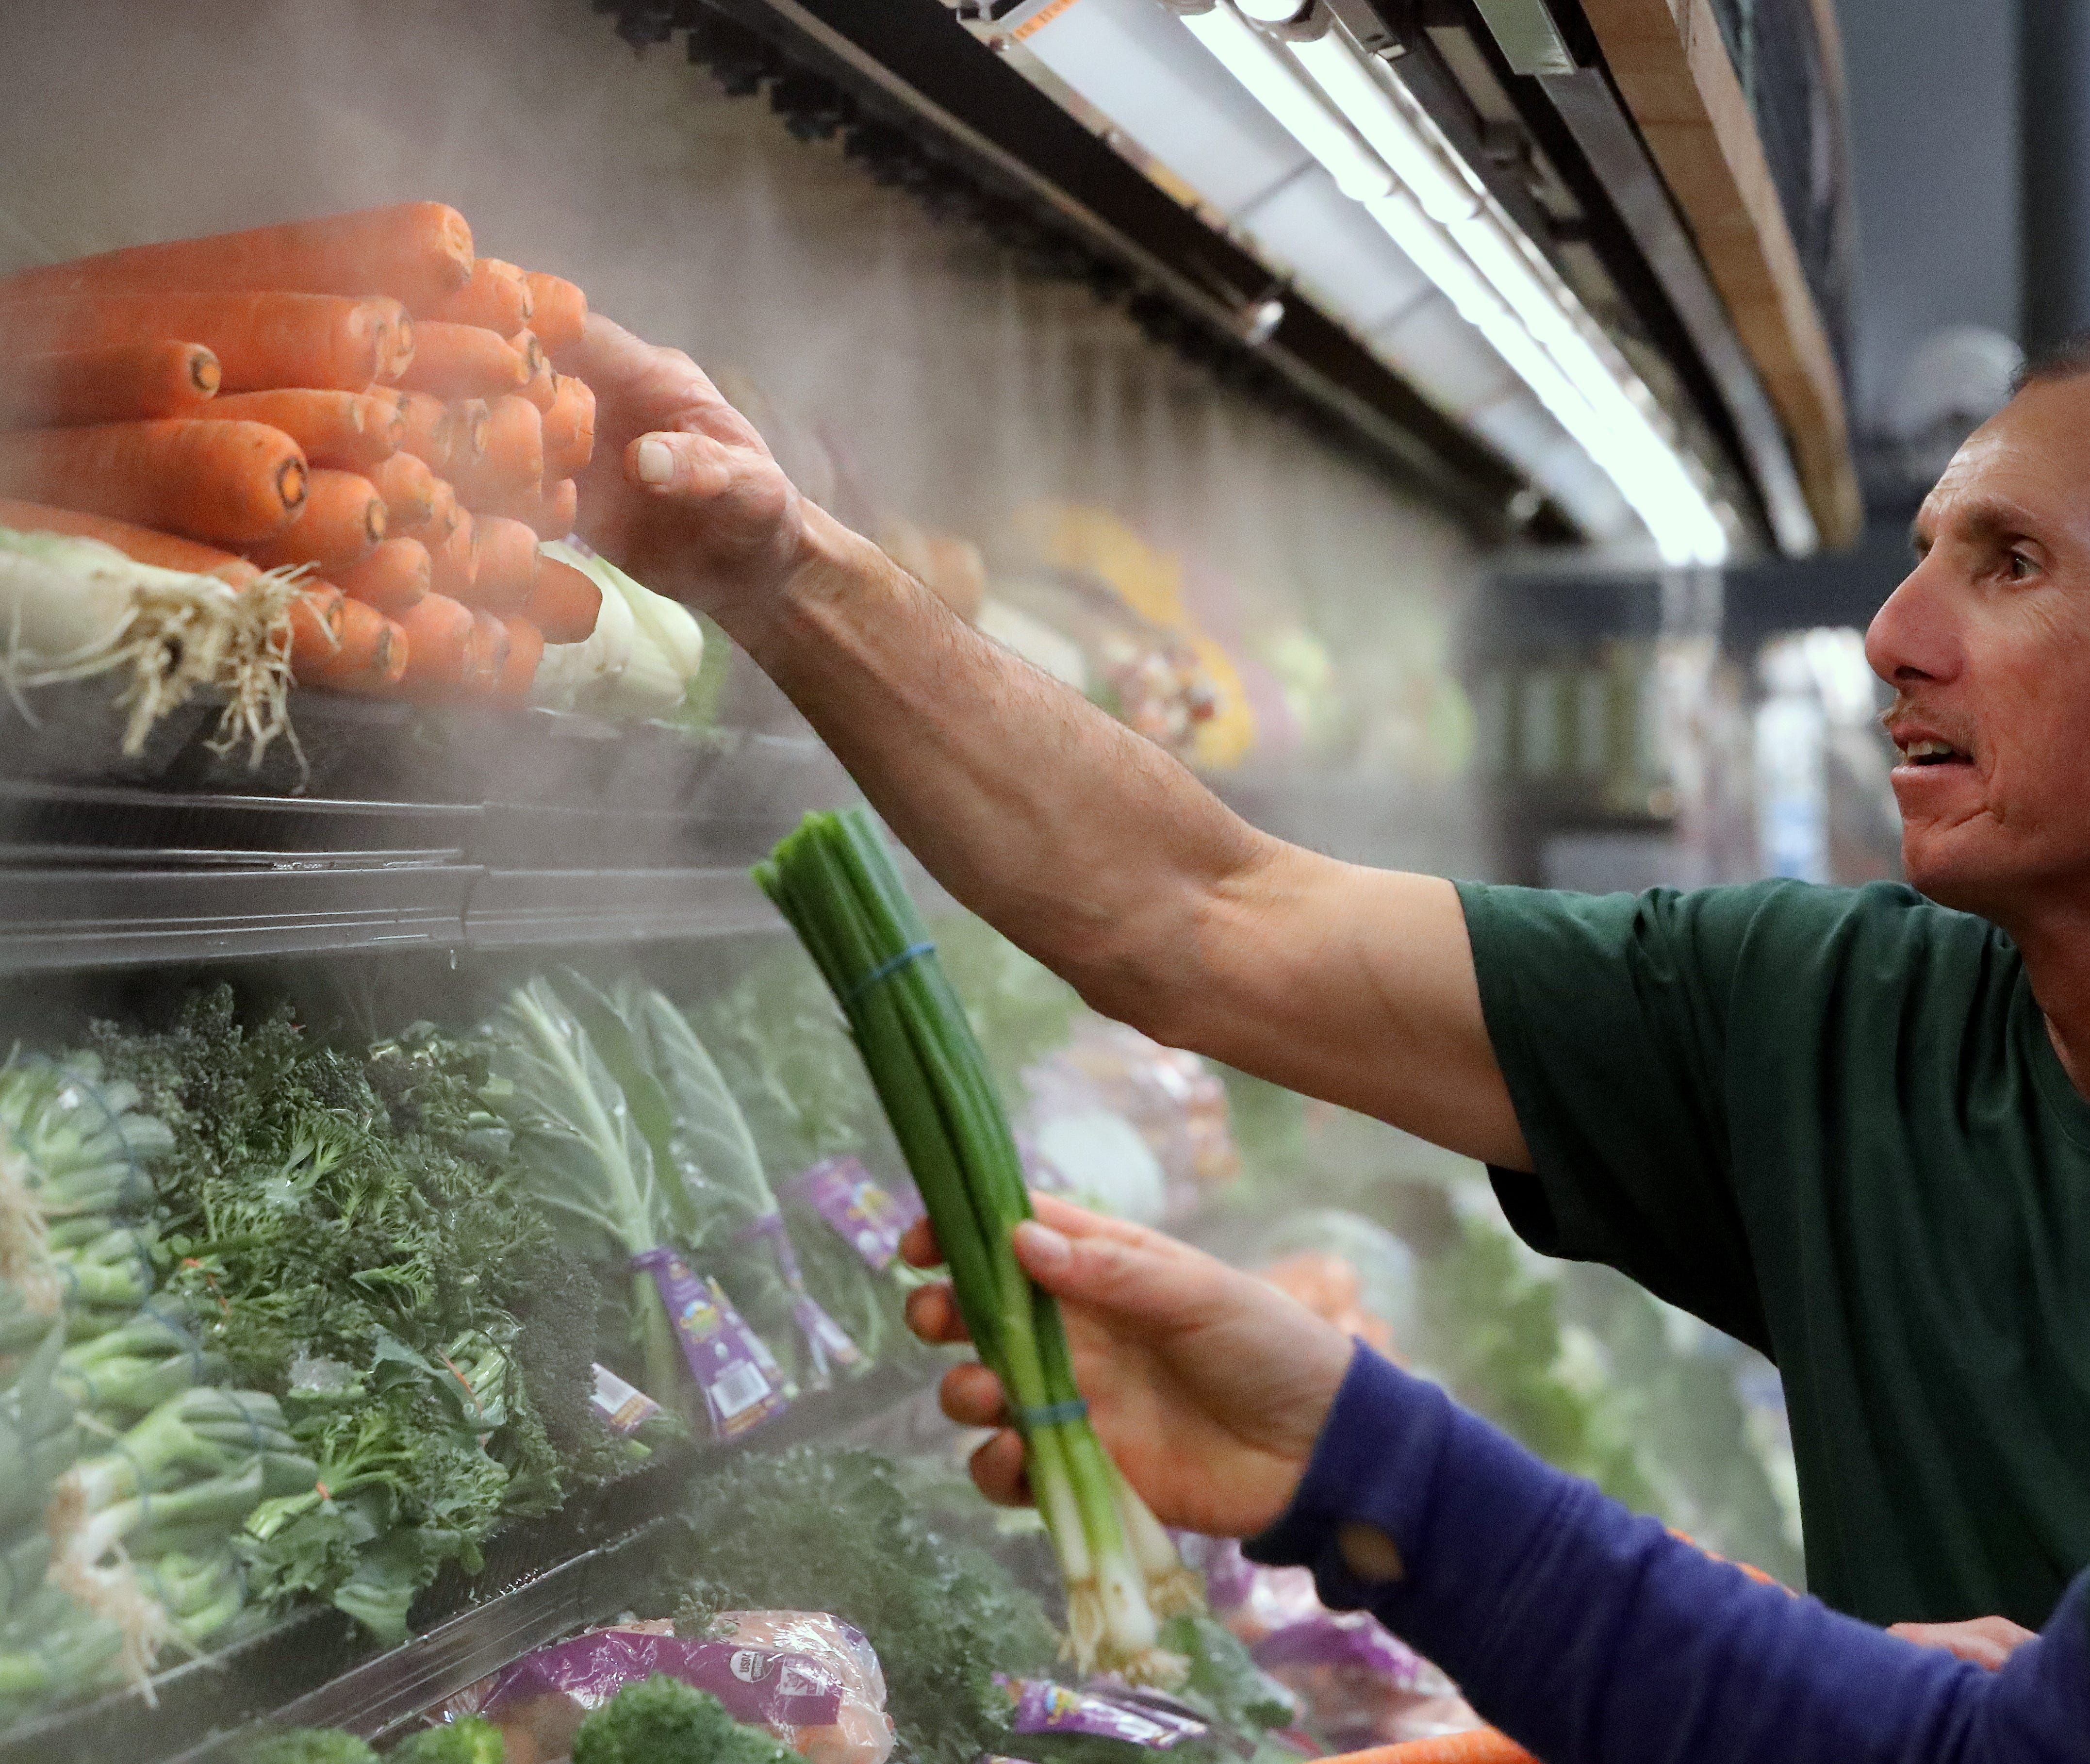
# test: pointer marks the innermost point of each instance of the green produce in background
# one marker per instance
(661, 1720)
(352, 1255)
(836, 1530)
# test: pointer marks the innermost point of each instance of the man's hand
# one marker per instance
(1985, 1640)
(1208, 1387)
(682, 491)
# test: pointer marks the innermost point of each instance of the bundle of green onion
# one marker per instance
(835, 881)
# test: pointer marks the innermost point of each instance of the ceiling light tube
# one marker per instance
(1349, 86)
(1276, 85)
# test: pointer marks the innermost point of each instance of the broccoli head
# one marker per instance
(661, 1720)
(469, 1742)
(308, 1745)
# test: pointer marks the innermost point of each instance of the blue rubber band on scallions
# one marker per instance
(1053, 1414)
(885, 971)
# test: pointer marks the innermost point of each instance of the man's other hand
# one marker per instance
(1208, 1387)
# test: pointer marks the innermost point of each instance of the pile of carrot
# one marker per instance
(360, 397)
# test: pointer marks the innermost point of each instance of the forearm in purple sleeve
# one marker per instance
(1591, 1636)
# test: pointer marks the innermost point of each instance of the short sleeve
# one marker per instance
(1608, 1017)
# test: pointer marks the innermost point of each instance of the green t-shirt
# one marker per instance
(1829, 1121)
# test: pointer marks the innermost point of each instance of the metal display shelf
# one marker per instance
(542, 829)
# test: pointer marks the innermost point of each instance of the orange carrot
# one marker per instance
(469, 421)
(444, 513)
(349, 430)
(114, 385)
(342, 523)
(437, 630)
(454, 563)
(563, 603)
(559, 311)
(228, 484)
(408, 488)
(486, 654)
(370, 654)
(317, 617)
(497, 297)
(417, 252)
(395, 355)
(526, 651)
(1476, 1745)
(548, 511)
(140, 543)
(427, 431)
(514, 460)
(507, 564)
(463, 361)
(543, 384)
(569, 428)
(260, 340)
(392, 578)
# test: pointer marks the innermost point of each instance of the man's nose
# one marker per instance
(1913, 636)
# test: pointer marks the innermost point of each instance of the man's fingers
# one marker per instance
(972, 1396)
(997, 1469)
(932, 1313)
(674, 464)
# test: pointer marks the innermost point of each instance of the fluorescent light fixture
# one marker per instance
(1444, 194)
(1475, 258)
(1275, 84)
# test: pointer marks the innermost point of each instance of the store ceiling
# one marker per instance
(1432, 224)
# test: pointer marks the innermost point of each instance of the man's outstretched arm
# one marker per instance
(1086, 844)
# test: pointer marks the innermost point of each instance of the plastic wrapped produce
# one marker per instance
(808, 1678)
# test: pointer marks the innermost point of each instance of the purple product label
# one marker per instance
(870, 1218)
(1352, 1638)
(735, 1371)
(825, 1339)
(1043, 1706)
(623, 1408)
(756, 1684)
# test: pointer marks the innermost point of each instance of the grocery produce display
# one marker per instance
(336, 453)
(468, 1059)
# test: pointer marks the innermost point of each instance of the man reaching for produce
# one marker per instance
(1847, 1126)
(1588, 1635)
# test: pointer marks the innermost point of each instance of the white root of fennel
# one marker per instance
(25, 1237)
(76, 609)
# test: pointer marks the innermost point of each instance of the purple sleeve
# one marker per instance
(1591, 1636)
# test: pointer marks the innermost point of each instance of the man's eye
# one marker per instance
(2020, 566)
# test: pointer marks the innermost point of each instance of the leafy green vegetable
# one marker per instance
(585, 1156)
(471, 1740)
(308, 1745)
(346, 1236)
(807, 1529)
(661, 1720)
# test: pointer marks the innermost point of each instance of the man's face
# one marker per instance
(1987, 645)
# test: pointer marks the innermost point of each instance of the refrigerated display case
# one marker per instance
(327, 1030)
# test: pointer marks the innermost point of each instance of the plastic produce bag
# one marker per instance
(1177, 1105)
(1359, 1684)
(809, 1678)
(1347, 1271)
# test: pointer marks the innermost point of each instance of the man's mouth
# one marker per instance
(1932, 753)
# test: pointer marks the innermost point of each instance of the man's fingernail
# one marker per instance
(656, 464)
(1044, 1246)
